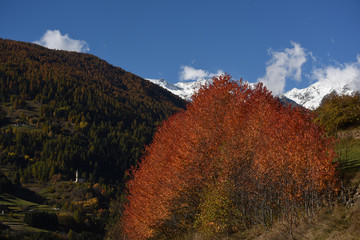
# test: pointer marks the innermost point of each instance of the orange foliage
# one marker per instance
(240, 140)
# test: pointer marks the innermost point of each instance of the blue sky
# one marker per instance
(279, 42)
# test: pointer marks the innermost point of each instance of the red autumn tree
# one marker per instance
(234, 158)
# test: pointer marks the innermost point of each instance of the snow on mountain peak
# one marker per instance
(182, 89)
(164, 84)
(343, 79)
(309, 97)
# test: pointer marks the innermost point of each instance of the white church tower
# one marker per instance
(78, 179)
(77, 176)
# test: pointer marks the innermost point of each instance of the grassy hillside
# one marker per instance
(80, 209)
(349, 154)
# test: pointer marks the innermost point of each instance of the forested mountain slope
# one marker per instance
(62, 111)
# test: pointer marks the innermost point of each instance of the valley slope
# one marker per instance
(66, 111)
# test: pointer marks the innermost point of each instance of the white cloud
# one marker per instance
(189, 73)
(54, 40)
(338, 76)
(282, 66)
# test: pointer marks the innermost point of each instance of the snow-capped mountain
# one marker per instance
(182, 89)
(309, 97)
(186, 89)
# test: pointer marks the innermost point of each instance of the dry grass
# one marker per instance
(339, 223)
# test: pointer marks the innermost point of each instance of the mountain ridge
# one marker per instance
(309, 97)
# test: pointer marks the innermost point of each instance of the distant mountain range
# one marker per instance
(309, 97)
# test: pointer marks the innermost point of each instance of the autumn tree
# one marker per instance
(236, 157)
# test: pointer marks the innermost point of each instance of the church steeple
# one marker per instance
(77, 176)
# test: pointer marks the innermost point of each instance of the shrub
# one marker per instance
(42, 220)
